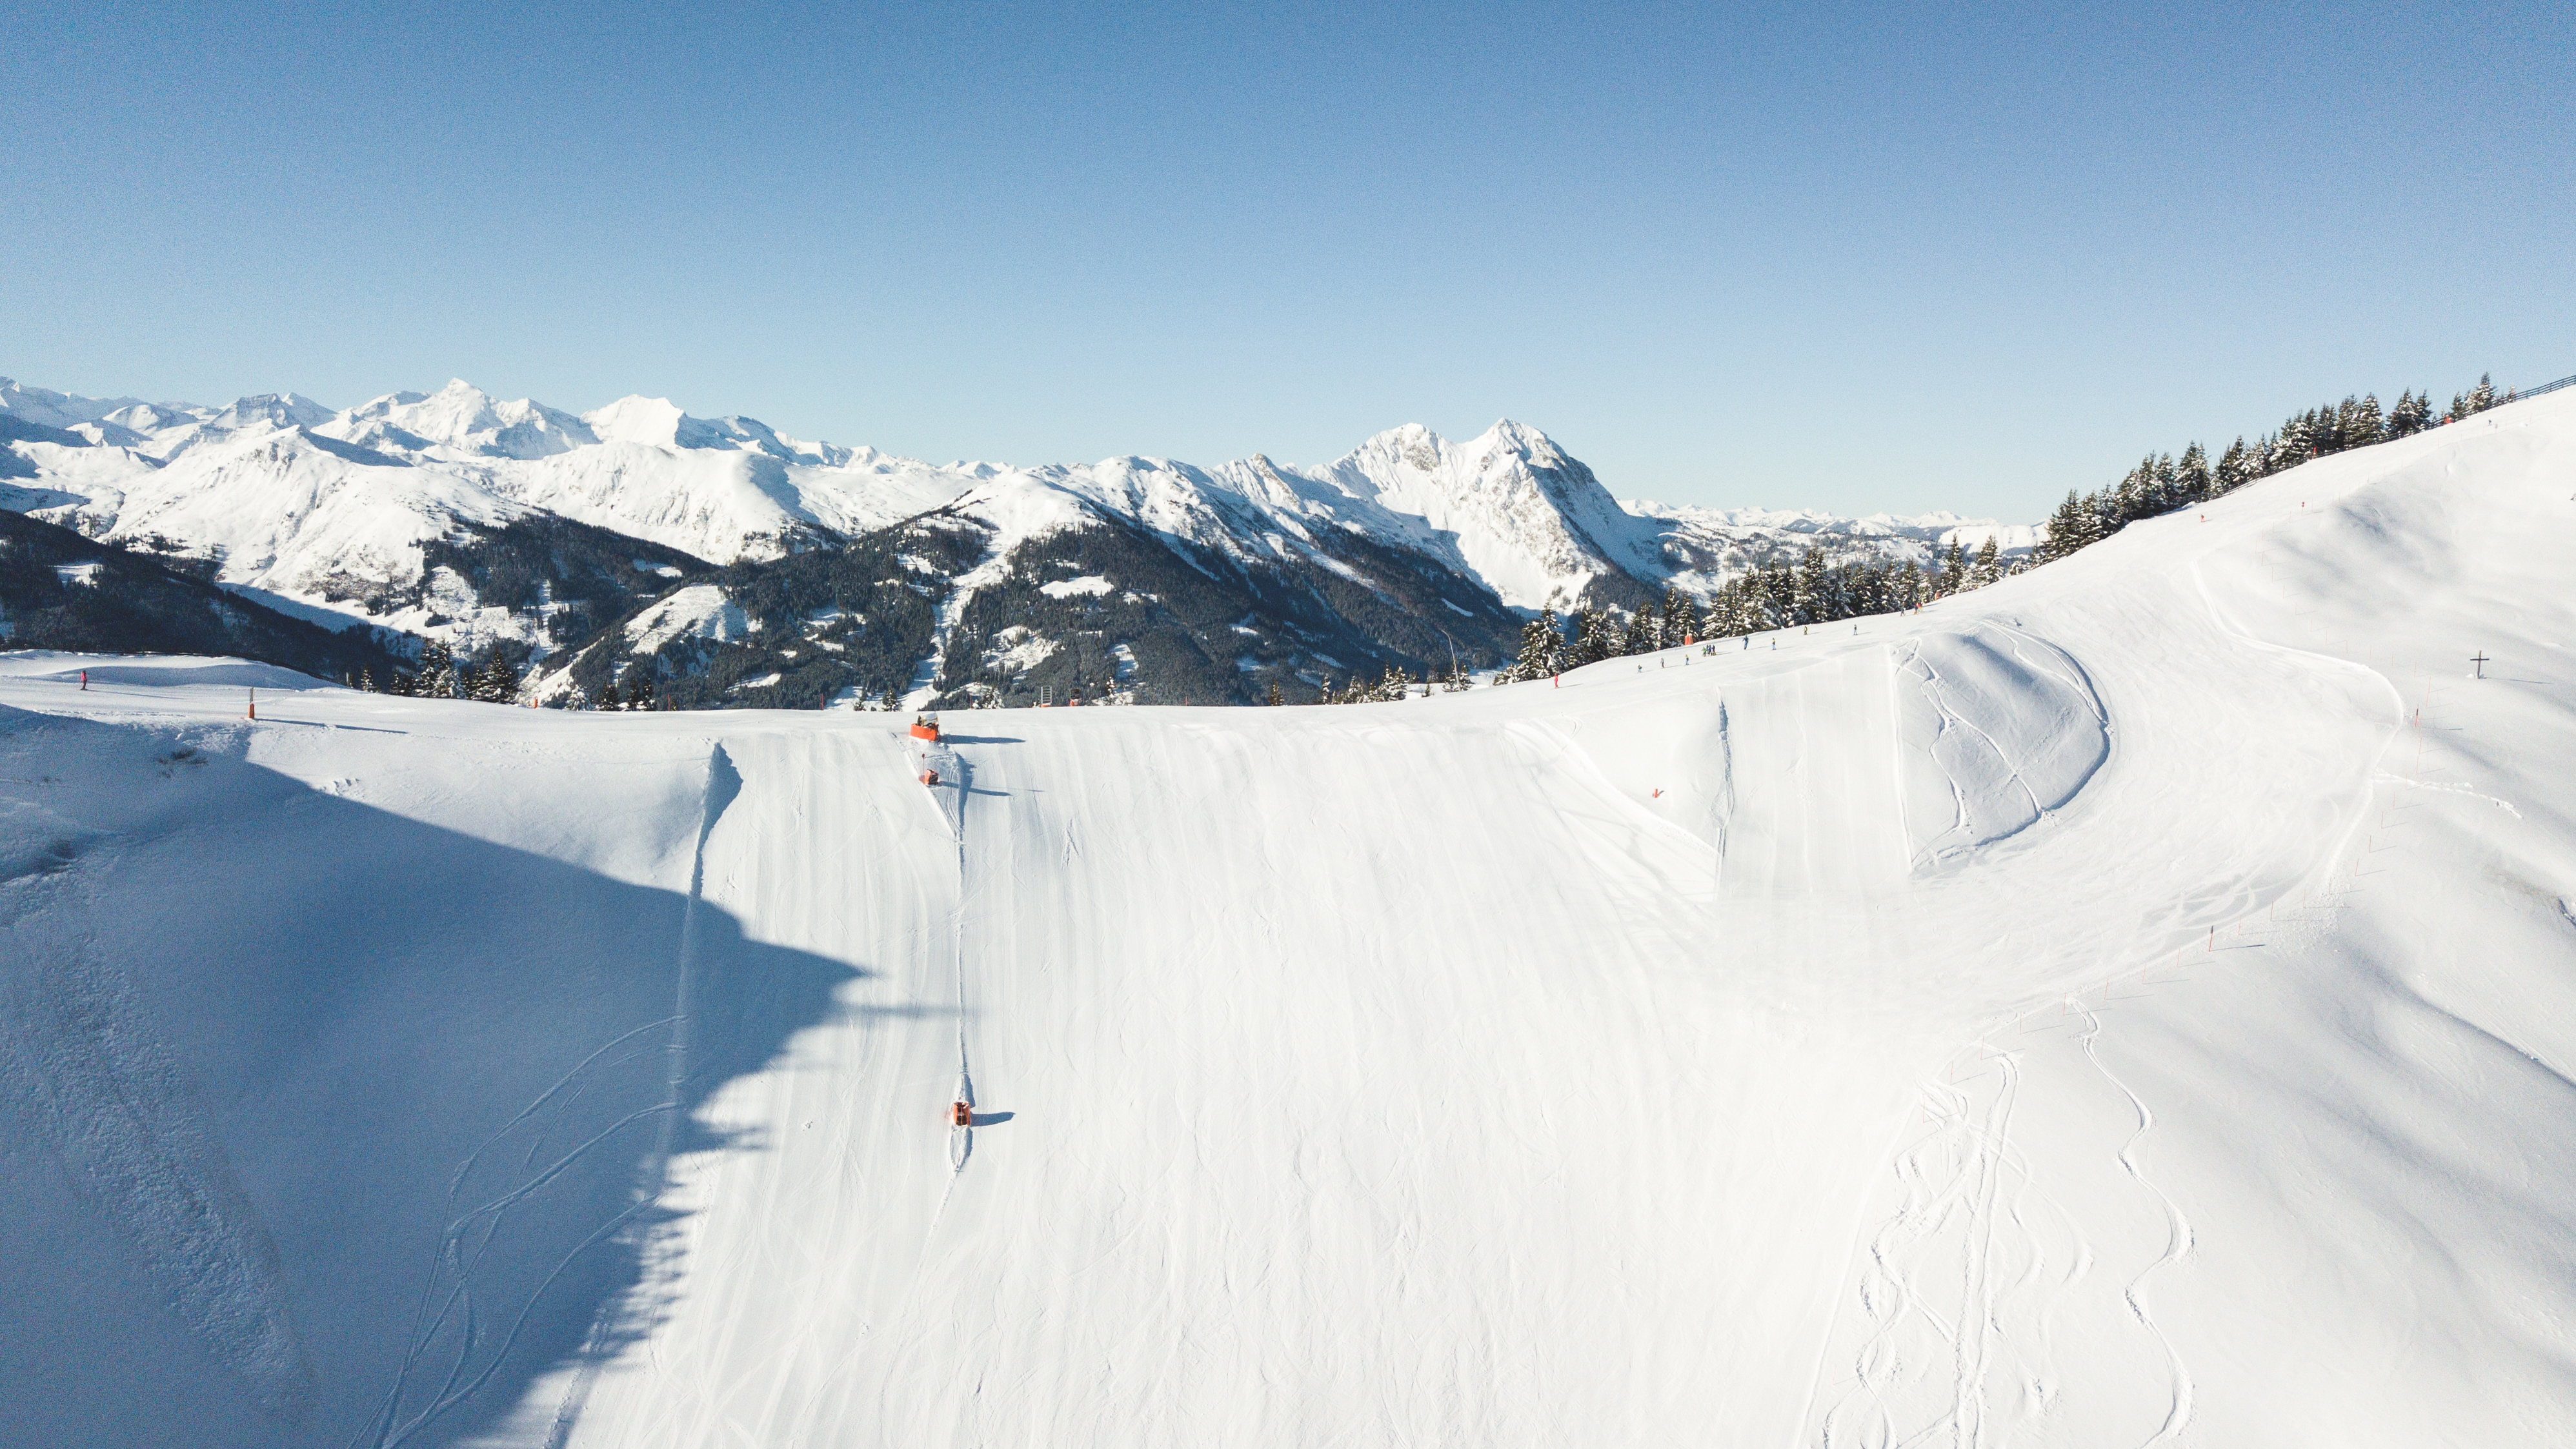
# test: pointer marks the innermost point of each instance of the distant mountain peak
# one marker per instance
(634, 418)
(1508, 509)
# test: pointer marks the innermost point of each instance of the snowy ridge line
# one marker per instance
(723, 783)
(322, 510)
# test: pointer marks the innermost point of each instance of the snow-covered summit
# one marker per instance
(1508, 505)
(49, 409)
(658, 422)
(462, 417)
(1510, 508)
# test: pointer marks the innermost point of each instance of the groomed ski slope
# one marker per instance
(2133, 1004)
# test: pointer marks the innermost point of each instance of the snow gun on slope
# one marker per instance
(925, 728)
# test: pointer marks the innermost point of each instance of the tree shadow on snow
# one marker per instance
(338, 1128)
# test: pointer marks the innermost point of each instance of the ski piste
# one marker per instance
(2128, 1004)
(939, 770)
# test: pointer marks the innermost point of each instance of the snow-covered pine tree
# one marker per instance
(1687, 622)
(2412, 415)
(437, 677)
(500, 680)
(1985, 570)
(2483, 396)
(1541, 638)
(1954, 569)
(1642, 635)
(2066, 530)
(2235, 469)
(2282, 451)
(2300, 437)
(1812, 599)
(2367, 426)
(366, 680)
(1274, 696)
(1602, 635)
(2191, 475)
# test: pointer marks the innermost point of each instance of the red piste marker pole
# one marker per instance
(254, 705)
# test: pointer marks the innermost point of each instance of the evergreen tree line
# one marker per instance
(1393, 684)
(1778, 595)
(638, 694)
(496, 681)
(440, 676)
(2162, 483)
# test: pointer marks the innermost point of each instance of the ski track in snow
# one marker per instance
(1928, 1368)
(2178, 1241)
(459, 1252)
(953, 776)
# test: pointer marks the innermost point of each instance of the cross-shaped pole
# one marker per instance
(2479, 660)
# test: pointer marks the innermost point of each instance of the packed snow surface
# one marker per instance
(2132, 1004)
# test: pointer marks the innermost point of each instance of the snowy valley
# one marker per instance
(2133, 1003)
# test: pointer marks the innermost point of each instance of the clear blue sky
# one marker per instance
(1850, 257)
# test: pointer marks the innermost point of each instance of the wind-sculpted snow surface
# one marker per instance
(1999, 728)
(2128, 1005)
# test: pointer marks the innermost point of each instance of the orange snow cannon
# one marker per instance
(960, 1115)
(926, 729)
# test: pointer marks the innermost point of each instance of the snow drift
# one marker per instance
(2129, 1004)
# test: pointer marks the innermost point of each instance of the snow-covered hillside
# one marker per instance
(270, 479)
(2131, 1004)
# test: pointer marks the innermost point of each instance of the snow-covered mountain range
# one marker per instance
(345, 513)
